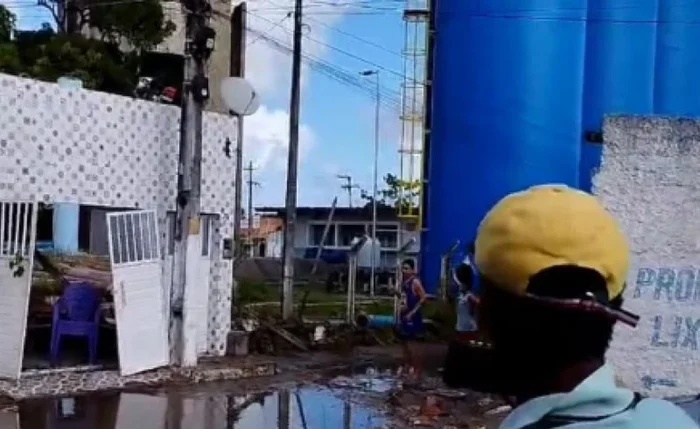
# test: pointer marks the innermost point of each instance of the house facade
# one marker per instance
(90, 155)
(346, 224)
(218, 65)
(258, 236)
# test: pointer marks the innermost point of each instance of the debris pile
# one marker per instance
(51, 270)
(428, 406)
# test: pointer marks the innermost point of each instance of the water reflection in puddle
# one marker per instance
(313, 407)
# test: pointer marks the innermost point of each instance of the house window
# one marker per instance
(134, 237)
(316, 234)
(388, 236)
(348, 232)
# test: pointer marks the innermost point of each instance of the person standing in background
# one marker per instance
(467, 280)
(410, 326)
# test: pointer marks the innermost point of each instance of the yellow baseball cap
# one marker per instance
(546, 226)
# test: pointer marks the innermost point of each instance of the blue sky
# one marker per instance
(337, 119)
(341, 117)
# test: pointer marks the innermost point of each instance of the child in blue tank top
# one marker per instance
(410, 324)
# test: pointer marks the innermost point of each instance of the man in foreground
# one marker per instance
(552, 265)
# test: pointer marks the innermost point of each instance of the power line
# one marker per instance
(389, 98)
(389, 5)
(325, 66)
(344, 52)
(355, 37)
(348, 186)
(330, 12)
(271, 29)
(530, 14)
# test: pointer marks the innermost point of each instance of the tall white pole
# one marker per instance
(372, 282)
(290, 203)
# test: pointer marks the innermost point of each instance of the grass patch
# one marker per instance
(332, 305)
(253, 293)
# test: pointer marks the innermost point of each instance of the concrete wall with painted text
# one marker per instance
(650, 179)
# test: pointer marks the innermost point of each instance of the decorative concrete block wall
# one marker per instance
(87, 147)
(649, 178)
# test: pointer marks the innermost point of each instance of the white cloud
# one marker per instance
(267, 139)
(268, 67)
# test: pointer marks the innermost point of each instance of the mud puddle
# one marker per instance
(338, 404)
(362, 398)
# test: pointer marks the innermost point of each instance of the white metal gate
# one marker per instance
(142, 330)
(17, 241)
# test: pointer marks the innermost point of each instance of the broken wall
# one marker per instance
(649, 179)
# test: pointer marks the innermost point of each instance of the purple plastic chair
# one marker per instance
(77, 314)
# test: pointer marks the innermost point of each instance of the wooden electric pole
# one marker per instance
(237, 69)
(292, 164)
(199, 42)
(348, 186)
(251, 214)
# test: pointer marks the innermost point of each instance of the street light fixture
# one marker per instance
(375, 73)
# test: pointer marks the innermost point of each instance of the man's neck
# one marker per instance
(561, 381)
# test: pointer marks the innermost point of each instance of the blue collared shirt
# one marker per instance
(599, 396)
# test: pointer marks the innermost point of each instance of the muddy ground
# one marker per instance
(358, 390)
(427, 404)
(368, 378)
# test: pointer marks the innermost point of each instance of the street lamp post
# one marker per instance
(375, 73)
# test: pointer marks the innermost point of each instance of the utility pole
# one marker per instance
(199, 44)
(375, 170)
(292, 165)
(237, 69)
(251, 214)
(348, 186)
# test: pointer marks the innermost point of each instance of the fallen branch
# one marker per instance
(285, 335)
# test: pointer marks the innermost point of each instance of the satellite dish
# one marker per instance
(239, 96)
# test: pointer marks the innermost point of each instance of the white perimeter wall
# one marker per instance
(650, 180)
(74, 145)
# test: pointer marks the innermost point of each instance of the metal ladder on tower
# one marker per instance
(410, 187)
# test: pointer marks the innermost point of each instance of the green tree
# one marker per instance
(108, 63)
(45, 55)
(8, 21)
(9, 59)
(142, 25)
(9, 56)
(397, 193)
